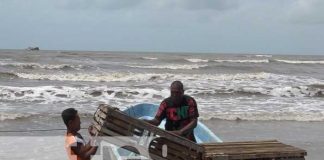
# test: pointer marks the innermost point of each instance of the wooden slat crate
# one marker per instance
(109, 121)
(265, 150)
(150, 140)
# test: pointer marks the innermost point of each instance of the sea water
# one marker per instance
(36, 86)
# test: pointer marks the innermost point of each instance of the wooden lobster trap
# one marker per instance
(252, 150)
(135, 135)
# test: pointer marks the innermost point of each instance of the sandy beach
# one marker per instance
(304, 135)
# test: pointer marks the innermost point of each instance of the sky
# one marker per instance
(213, 26)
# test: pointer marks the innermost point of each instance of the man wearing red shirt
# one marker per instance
(180, 112)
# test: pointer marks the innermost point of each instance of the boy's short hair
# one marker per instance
(68, 115)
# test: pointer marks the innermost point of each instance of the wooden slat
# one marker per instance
(174, 147)
(118, 122)
(244, 150)
(224, 146)
(239, 143)
(180, 152)
(171, 151)
(261, 156)
(259, 148)
(104, 107)
(169, 156)
(252, 150)
(117, 129)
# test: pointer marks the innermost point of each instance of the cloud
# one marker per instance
(307, 12)
(209, 4)
(196, 5)
(149, 4)
(128, 5)
(163, 25)
(99, 4)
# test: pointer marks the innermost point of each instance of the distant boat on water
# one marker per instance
(33, 49)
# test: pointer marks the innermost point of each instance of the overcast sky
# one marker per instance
(220, 26)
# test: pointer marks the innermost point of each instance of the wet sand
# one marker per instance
(305, 135)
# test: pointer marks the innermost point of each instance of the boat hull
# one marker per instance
(147, 111)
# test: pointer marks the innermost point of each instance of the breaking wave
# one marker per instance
(242, 61)
(298, 61)
(263, 55)
(239, 84)
(13, 116)
(196, 60)
(231, 108)
(52, 94)
(289, 91)
(42, 66)
(266, 116)
(128, 76)
(109, 77)
(8, 75)
(173, 67)
(149, 58)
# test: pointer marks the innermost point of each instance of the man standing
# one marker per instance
(180, 111)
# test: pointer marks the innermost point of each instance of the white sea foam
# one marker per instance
(53, 94)
(299, 61)
(173, 66)
(243, 61)
(249, 83)
(12, 116)
(44, 99)
(5, 60)
(128, 76)
(42, 66)
(249, 108)
(110, 77)
(268, 56)
(196, 60)
(244, 107)
(150, 58)
(267, 116)
(199, 85)
(279, 91)
(218, 95)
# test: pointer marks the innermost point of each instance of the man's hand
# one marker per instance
(154, 121)
(90, 128)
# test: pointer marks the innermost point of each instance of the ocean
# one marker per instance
(35, 86)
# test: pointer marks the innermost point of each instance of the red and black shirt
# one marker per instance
(178, 117)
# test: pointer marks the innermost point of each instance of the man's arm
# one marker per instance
(84, 152)
(188, 128)
(161, 114)
(154, 121)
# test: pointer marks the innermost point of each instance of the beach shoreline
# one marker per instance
(303, 135)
